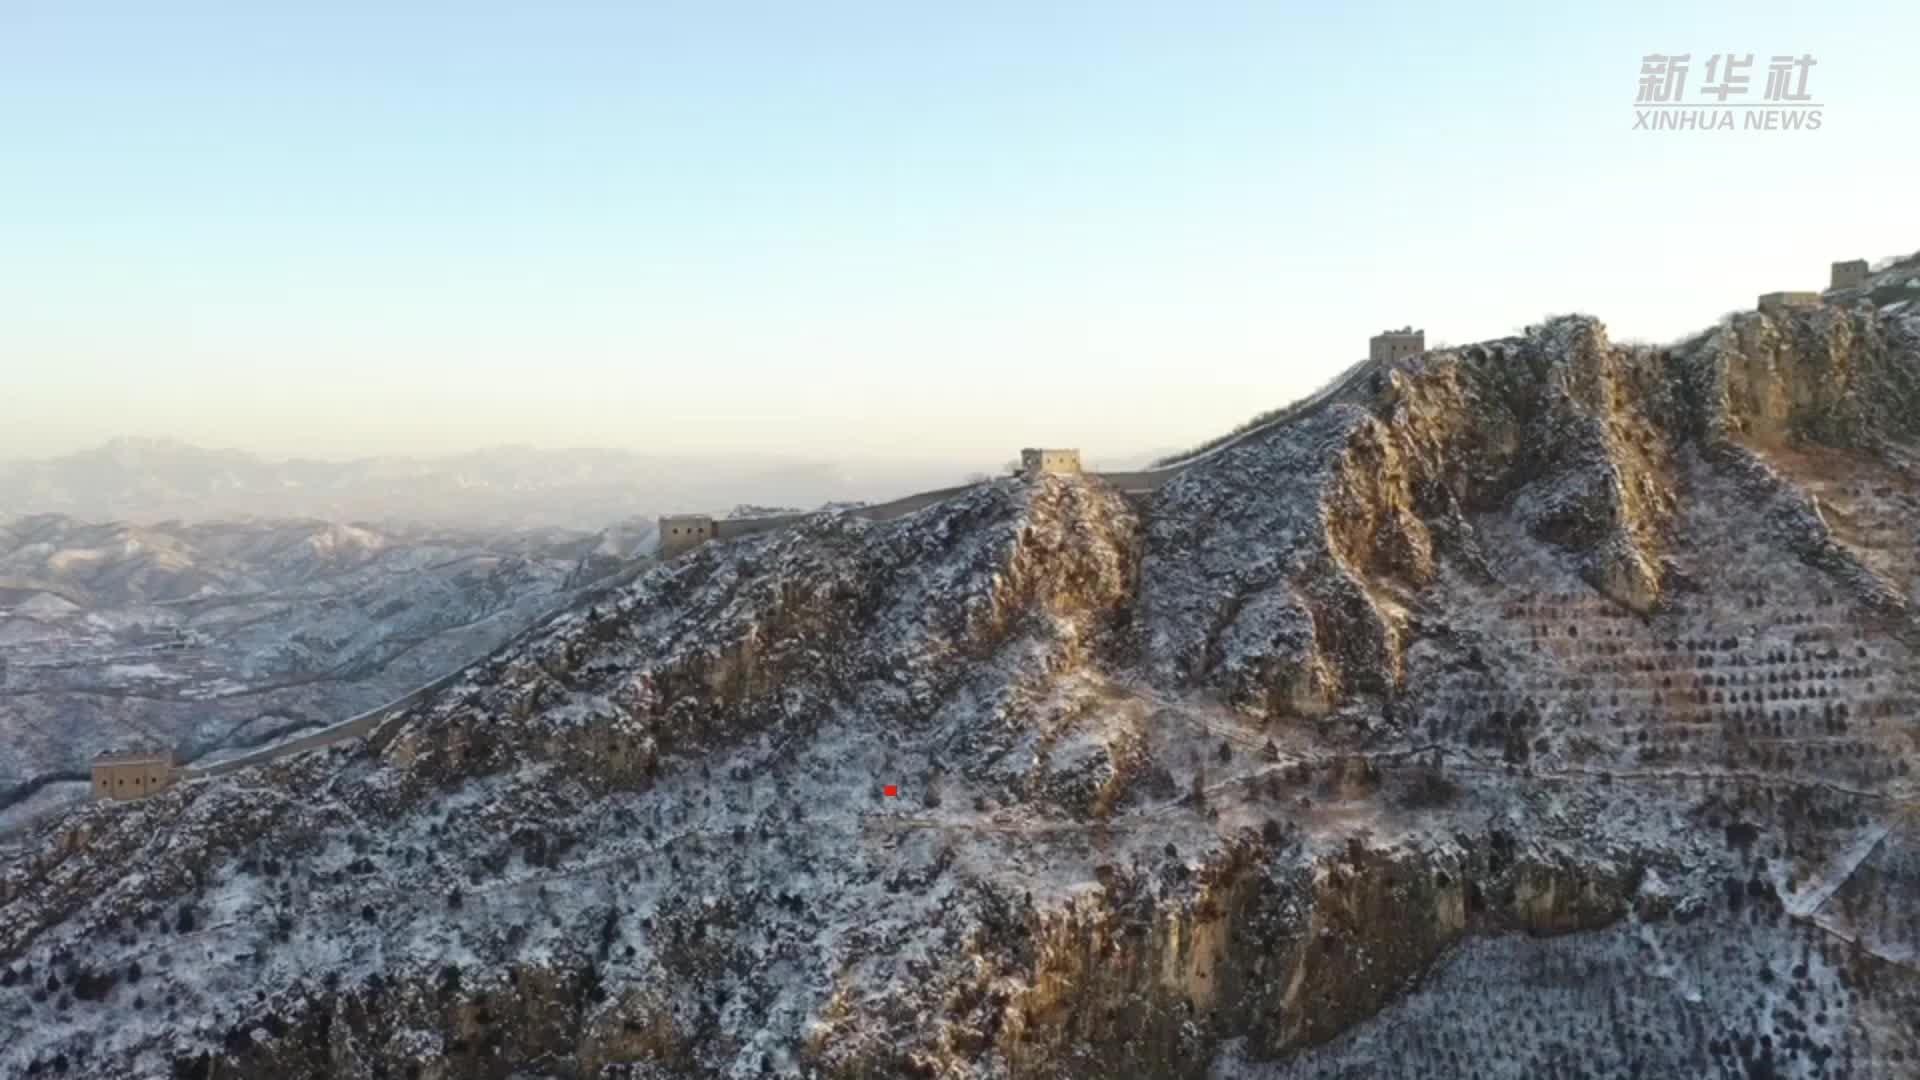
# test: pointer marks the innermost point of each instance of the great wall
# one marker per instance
(139, 773)
(1049, 714)
(678, 534)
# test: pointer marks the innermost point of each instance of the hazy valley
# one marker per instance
(213, 637)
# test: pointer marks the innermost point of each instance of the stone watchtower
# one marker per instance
(1776, 302)
(133, 774)
(1033, 462)
(683, 532)
(1850, 274)
(1396, 344)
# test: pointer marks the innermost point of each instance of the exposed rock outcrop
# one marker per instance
(1528, 666)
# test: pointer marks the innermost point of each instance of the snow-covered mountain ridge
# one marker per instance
(1538, 707)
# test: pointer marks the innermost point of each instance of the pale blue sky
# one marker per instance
(853, 229)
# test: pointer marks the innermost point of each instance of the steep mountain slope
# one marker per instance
(1541, 707)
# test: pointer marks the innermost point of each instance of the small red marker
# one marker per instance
(890, 791)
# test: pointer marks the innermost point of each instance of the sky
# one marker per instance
(870, 230)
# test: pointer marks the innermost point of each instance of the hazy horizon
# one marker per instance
(136, 440)
(855, 233)
(140, 480)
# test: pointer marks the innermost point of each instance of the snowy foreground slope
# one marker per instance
(1540, 708)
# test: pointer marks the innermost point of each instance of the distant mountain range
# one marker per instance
(154, 480)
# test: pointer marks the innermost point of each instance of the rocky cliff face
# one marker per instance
(1540, 707)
